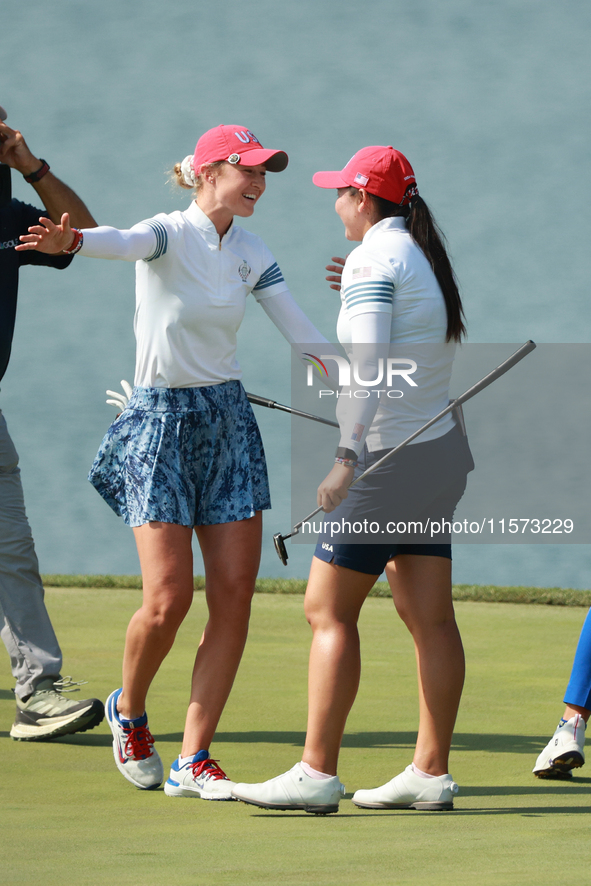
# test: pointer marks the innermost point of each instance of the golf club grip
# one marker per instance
(523, 351)
(273, 404)
(260, 401)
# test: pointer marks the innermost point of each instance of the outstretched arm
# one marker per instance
(57, 197)
(134, 244)
(47, 237)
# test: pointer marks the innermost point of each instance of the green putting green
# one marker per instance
(69, 818)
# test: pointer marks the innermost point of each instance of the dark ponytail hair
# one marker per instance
(427, 235)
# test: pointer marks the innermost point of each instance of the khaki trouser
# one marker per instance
(26, 629)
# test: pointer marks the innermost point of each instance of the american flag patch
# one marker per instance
(361, 179)
(357, 432)
(361, 272)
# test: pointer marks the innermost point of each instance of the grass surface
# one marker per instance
(69, 818)
(478, 593)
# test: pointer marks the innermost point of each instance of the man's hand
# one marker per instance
(15, 152)
(57, 197)
(334, 488)
(337, 272)
(47, 237)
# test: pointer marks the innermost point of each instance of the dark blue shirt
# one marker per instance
(15, 218)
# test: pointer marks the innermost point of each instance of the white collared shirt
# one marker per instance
(191, 291)
(387, 280)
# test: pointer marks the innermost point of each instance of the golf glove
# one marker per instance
(120, 401)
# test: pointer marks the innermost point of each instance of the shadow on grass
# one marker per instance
(574, 787)
(462, 741)
(6, 695)
(525, 811)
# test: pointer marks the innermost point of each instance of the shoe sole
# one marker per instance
(118, 764)
(313, 809)
(423, 806)
(81, 723)
(560, 767)
(189, 794)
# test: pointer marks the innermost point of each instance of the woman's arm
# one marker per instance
(370, 333)
(299, 331)
(139, 242)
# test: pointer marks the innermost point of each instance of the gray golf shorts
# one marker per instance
(397, 508)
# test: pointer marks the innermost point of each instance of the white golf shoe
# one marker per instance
(200, 777)
(294, 790)
(410, 791)
(564, 751)
(133, 748)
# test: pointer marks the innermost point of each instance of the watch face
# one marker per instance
(5, 184)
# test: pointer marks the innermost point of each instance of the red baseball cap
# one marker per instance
(237, 145)
(380, 170)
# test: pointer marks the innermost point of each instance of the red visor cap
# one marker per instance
(237, 145)
(380, 170)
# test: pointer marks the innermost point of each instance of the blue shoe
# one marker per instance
(133, 748)
(200, 777)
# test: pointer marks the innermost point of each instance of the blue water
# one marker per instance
(491, 103)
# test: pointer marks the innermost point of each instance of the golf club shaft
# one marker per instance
(504, 367)
(273, 404)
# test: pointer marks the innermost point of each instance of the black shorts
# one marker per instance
(406, 506)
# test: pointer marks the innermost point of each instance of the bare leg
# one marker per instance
(166, 561)
(421, 589)
(231, 553)
(334, 597)
(571, 710)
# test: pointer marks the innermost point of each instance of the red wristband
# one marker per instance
(76, 243)
(37, 176)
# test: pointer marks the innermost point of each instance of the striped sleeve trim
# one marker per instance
(270, 277)
(369, 292)
(161, 239)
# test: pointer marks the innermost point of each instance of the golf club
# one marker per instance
(273, 404)
(523, 351)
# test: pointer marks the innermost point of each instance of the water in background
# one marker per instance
(490, 103)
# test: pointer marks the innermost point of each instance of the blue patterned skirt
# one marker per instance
(190, 456)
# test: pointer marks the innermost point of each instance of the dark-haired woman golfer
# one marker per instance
(400, 309)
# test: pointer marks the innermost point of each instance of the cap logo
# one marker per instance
(234, 158)
(246, 136)
(360, 179)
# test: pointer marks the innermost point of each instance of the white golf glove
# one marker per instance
(120, 401)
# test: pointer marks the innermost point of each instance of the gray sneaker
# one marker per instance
(48, 714)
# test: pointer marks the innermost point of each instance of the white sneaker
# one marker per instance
(200, 777)
(294, 790)
(564, 751)
(133, 748)
(410, 791)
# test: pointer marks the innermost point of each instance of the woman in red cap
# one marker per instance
(186, 454)
(400, 320)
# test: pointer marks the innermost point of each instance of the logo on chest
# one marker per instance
(244, 270)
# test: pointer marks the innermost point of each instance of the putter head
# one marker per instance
(279, 543)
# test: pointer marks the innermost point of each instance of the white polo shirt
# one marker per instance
(191, 297)
(191, 291)
(388, 276)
